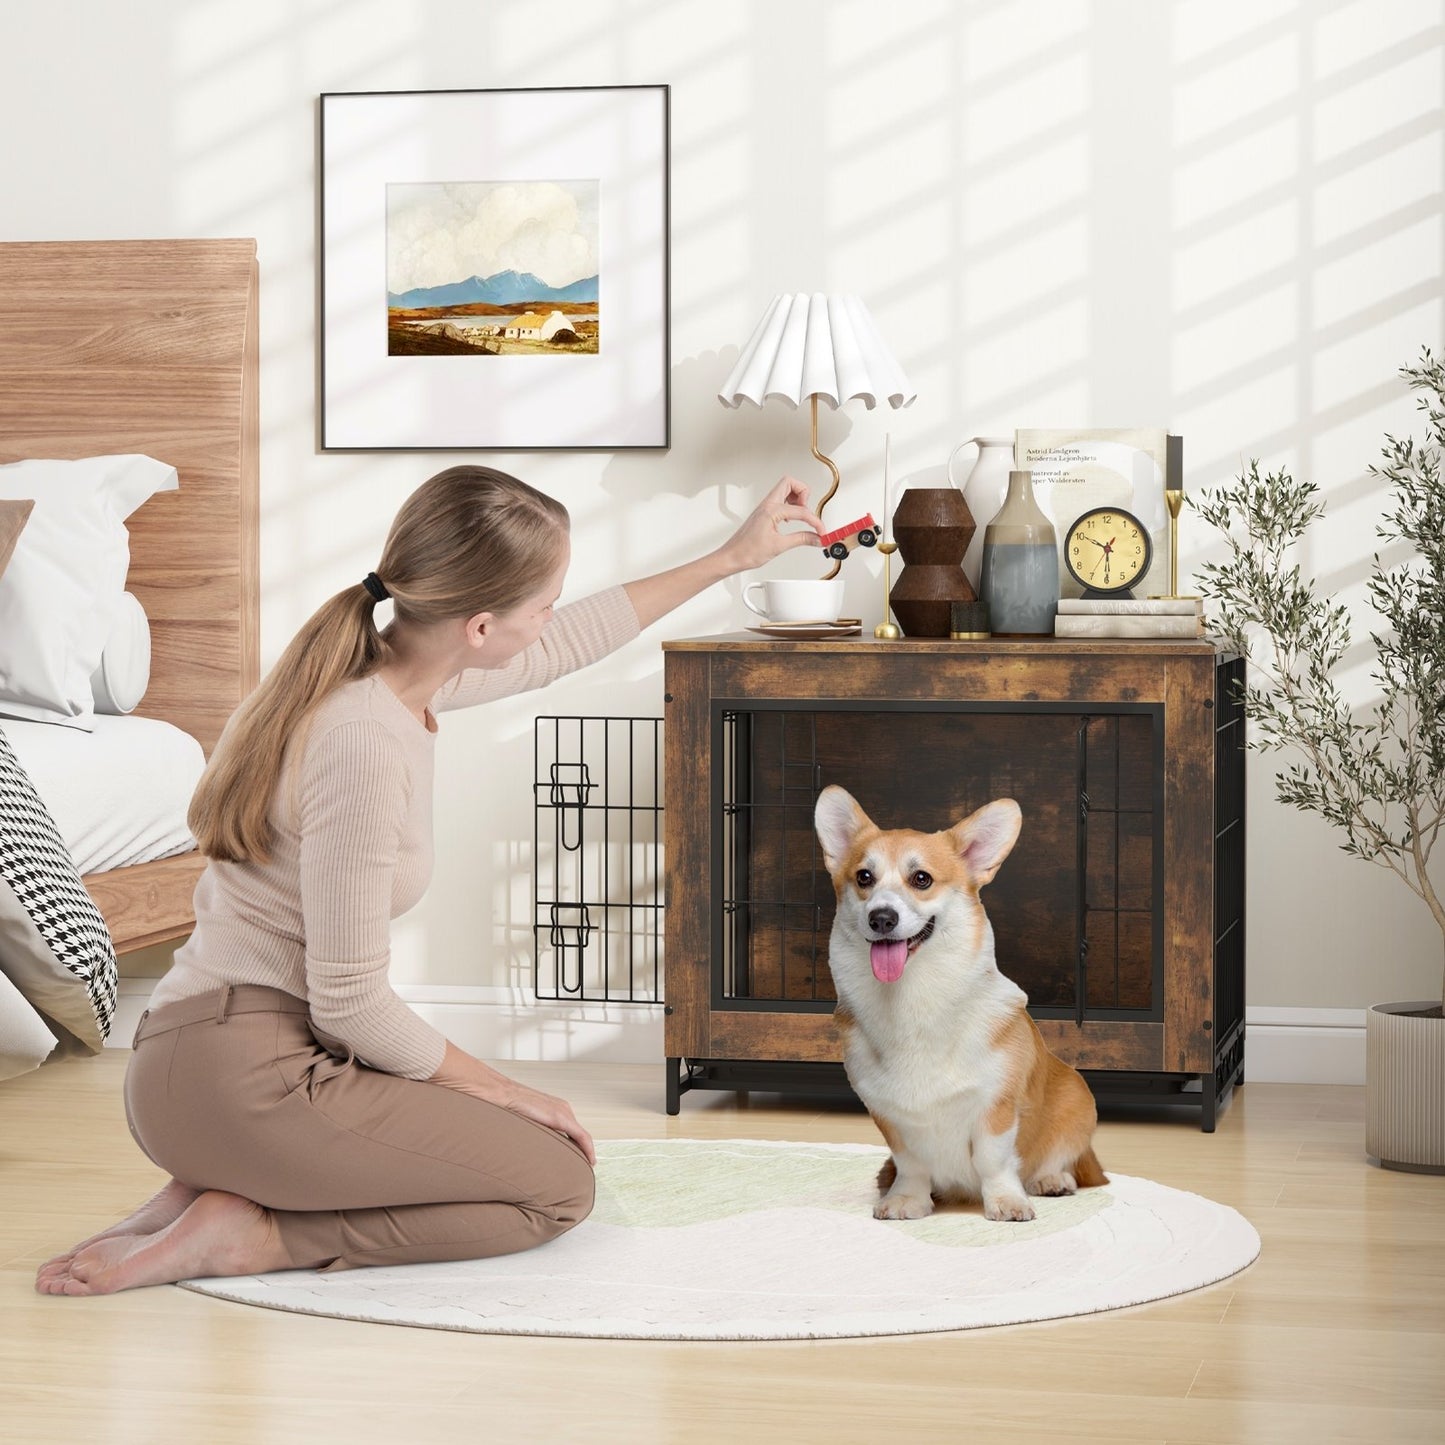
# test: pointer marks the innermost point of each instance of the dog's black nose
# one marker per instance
(883, 920)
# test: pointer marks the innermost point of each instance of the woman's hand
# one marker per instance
(460, 1071)
(761, 538)
(552, 1113)
(754, 544)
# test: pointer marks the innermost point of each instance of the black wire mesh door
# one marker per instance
(597, 795)
(1077, 908)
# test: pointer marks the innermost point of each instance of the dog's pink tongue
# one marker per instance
(888, 957)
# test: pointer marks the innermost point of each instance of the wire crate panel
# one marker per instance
(598, 878)
(1075, 909)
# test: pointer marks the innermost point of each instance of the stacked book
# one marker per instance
(1147, 617)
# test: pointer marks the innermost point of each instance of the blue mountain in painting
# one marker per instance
(502, 289)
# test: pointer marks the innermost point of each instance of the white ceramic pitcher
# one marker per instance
(984, 490)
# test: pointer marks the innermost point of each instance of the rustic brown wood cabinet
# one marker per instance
(1120, 911)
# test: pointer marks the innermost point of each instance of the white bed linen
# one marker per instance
(118, 794)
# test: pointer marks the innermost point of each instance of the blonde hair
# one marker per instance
(468, 540)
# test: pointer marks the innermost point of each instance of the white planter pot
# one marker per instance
(1405, 1087)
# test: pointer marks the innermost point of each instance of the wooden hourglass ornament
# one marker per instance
(933, 528)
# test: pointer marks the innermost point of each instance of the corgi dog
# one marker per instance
(938, 1044)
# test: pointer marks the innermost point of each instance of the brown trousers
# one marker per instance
(233, 1090)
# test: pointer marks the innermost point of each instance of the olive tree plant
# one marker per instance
(1379, 775)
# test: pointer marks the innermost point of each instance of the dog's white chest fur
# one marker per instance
(922, 1055)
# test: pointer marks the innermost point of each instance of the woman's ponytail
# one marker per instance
(468, 540)
(230, 811)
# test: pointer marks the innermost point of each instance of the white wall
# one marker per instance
(1219, 216)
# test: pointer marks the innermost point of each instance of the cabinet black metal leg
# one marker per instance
(1209, 1102)
(674, 1090)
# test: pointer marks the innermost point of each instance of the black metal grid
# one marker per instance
(1229, 837)
(1106, 817)
(801, 908)
(745, 814)
(597, 809)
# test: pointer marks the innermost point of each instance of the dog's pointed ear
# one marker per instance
(985, 838)
(839, 820)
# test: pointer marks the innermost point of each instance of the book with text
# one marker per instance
(1131, 607)
(1075, 625)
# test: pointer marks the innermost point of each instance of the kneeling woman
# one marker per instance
(308, 1118)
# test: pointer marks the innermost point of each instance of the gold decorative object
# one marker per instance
(1174, 500)
(886, 631)
(828, 495)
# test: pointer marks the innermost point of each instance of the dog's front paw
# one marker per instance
(903, 1206)
(1054, 1185)
(1012, 1207)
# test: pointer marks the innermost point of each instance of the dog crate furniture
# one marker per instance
(1120, 911)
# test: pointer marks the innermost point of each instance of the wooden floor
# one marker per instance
(1336, 1333)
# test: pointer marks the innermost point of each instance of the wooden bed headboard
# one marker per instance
(151, 346)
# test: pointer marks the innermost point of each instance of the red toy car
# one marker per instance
(863, 532)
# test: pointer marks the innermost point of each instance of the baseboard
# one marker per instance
(490, 1023)
(1304, 1046)
(1283, 1046)
(502, 1023)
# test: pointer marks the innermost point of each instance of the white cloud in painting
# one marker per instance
(438, 233)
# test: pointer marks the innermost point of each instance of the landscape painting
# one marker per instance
(492, 268)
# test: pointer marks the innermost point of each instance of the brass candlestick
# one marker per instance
(887, 631)
(1174, 500)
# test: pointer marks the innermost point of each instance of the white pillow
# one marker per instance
(124, 673)
(61, 592)
(25, 1042)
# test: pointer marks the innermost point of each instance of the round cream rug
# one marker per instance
(742, 1239)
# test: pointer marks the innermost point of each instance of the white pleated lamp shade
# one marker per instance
(818, 345)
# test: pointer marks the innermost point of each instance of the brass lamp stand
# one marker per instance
(832, 466)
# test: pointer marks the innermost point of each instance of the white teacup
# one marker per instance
(796, 600)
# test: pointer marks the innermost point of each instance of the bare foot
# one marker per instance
(161, 1209)
(220, 1234)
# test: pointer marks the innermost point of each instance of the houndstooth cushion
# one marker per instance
(54, 945)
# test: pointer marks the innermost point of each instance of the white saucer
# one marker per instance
(810, 631)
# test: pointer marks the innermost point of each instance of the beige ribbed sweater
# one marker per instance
(353, 849)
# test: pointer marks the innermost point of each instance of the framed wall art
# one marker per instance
(494, 269)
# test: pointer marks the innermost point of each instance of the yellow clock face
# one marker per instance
(1108, 550)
